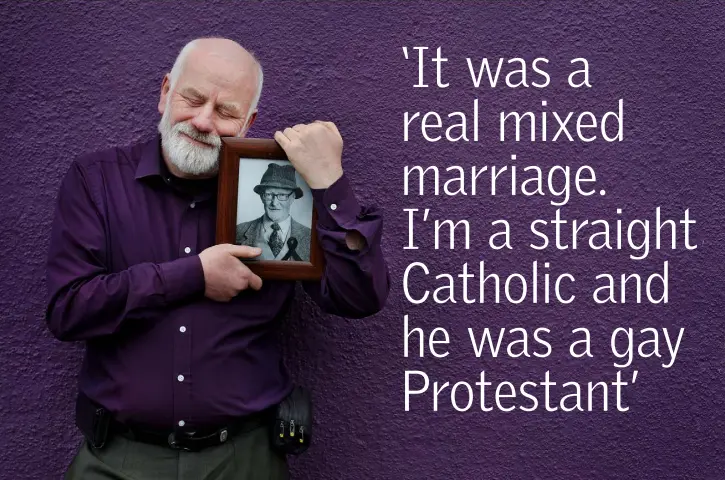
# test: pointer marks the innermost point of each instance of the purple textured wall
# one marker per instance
(78, 76)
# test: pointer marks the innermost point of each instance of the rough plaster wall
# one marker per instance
(78, 76)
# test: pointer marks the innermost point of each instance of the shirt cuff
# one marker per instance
(338, 212)
(182, 278)
(336, 205)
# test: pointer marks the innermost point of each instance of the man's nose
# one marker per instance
(204, 120)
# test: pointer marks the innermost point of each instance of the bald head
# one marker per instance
(212, 91)
(213, 51)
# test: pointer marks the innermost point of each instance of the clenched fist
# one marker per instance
(315, 150)
(225, 276)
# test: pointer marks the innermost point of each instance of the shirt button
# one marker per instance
(182, 423)
(182, 329)
(333, 206)
(193, 204)
(180, 378)
(187, 250)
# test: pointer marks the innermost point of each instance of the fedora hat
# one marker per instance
(280, 176)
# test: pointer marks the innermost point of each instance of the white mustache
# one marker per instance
(208, 138)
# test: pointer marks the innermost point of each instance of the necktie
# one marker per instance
(275, 240)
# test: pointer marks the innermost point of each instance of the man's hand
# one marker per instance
(224, 274)
(315, 150)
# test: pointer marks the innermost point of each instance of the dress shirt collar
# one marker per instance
(151, 164)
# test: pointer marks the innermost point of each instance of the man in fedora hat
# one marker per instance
(275, 232)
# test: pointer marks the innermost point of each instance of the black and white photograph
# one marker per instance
(274, 210)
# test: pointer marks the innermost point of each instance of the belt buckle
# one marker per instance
(187, 441)
(178, 445)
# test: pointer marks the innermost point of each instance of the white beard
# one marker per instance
(188, 157)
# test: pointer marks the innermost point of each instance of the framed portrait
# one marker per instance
(264, 202)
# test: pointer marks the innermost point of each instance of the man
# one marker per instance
(180, 335)
(276, 233)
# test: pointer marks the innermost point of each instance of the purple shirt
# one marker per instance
(124, 276)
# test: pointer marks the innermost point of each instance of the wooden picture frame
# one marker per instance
(245, 226)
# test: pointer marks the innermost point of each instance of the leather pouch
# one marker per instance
(292, 425)
(93, 421)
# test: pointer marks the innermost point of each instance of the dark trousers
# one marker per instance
(244, 457)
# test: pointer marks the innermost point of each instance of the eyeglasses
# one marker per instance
(279, 196)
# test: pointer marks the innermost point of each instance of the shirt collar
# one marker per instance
(151, 162)
(284, 224)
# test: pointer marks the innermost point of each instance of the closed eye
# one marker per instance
(226, 112)
(194, 101)
(193, 97)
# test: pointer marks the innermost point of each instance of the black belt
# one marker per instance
(98, 425)
(192, 440)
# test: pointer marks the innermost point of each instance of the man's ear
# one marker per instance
(252, 118)
(165, 87)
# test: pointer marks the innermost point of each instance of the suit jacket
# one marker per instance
(251, 234)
